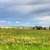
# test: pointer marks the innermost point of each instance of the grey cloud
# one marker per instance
(34, 2)
(8, 9)
(31, 2)
(40, 10)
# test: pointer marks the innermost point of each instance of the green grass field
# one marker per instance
(13, 39)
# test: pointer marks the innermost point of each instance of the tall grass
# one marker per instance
(13, 39)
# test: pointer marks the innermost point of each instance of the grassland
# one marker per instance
(13, 39)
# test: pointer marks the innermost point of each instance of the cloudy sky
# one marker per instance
(24, 12)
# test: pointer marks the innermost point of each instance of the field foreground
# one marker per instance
(13, 39)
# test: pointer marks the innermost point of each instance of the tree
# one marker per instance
(33, 28)
(38, 27)
(44, 28)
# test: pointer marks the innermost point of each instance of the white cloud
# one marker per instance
(17, 22)
(44, 18)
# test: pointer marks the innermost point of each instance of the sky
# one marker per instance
(24, 12)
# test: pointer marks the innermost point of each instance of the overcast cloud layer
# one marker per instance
(25, 12)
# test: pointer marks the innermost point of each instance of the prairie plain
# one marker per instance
(22, 39)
